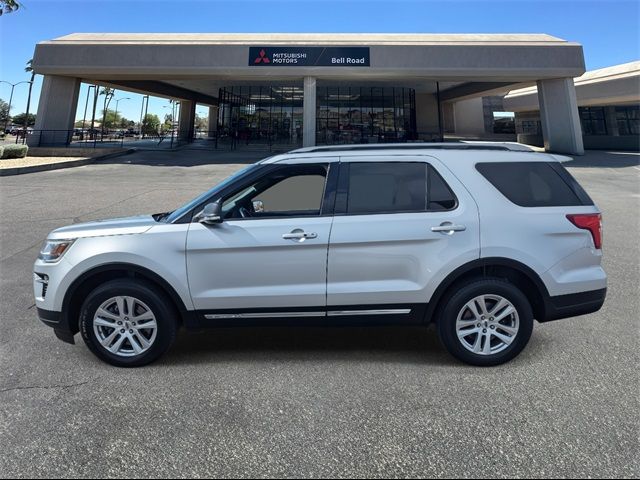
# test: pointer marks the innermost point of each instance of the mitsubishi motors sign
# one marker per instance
(309, 56)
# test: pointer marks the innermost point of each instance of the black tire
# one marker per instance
(458, 298)
(164, 312)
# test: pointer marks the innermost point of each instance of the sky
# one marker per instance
(607, 29)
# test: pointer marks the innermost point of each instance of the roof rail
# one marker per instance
(504, 146)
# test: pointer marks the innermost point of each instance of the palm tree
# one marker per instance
(8, 6)
(29, 69)
(108, 95)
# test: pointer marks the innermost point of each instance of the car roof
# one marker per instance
(461, 145)
(446, 151)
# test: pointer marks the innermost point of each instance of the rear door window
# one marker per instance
(535, 184)
(392, 187)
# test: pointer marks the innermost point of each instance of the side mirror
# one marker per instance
(211, 214)
(258, 206)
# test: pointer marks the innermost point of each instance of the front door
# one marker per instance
(268, 256)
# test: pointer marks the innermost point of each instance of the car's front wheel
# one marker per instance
(486, 322)
(127, 323)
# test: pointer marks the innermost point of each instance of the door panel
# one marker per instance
(275, 258)
(395, 258)
(242, 264)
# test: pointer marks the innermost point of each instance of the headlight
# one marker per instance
(53, 250)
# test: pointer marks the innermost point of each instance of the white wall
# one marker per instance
(469, 117)
(426, 113)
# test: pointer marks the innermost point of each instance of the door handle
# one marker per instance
(299, 235)
(448, 228)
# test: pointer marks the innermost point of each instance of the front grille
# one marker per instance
(44, 289)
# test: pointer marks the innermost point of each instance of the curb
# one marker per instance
(5, 172)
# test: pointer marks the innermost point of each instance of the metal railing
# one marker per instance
(95, 139)
(271, 141)
(217, 140)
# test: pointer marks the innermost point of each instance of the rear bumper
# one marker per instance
(58, 322)
(573, 305)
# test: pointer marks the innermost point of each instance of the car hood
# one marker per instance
(100, 228)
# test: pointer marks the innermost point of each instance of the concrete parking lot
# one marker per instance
(383, 402)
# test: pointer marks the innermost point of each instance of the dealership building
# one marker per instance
(316, 89)
(608, 107)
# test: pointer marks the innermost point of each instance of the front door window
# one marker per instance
(286, 191)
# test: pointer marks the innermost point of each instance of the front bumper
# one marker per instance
(59, 323)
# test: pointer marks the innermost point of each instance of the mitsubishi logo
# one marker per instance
(262, 58)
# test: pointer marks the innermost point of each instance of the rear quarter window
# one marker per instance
(535, 184)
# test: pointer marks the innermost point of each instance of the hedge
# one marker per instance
(1, 150)
(14, 151)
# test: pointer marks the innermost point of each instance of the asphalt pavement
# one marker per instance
(381, 402)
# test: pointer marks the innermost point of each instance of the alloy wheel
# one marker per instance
(487, 324)
(125, 326)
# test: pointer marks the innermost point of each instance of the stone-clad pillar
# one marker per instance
(56, 111)
(309, 113)
(187, 120)
(561, 129)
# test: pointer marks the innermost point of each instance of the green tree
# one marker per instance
(168, 122)
(111, 120)
(4, 112)
(8, 6)
(201, 123)
(21, 119)
(150, 124)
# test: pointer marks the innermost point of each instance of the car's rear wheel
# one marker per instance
(486, 322)
(127, 323)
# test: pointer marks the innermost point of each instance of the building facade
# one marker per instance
(608, 107)
(308, 89)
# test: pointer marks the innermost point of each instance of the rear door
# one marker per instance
(400, 227)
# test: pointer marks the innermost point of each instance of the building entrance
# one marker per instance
(347, 115)
(272, 115)
(269, 115)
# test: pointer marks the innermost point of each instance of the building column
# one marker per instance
(559, 116)
(309, 113)
(213, 121)
(611, 121)
(187, 120)
(56, 111)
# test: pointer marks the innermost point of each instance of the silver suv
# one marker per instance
(478, 239)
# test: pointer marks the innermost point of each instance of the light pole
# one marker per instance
(13, 85)
(116, 118)
(201, 115)
(172, 106)
(124, 98)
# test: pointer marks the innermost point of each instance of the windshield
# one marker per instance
(201, 198)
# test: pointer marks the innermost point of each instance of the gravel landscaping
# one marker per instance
(34, 161)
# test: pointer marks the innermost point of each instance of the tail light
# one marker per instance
(591, 222)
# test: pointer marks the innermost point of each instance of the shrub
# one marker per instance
(14, 151)
(1, 150)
